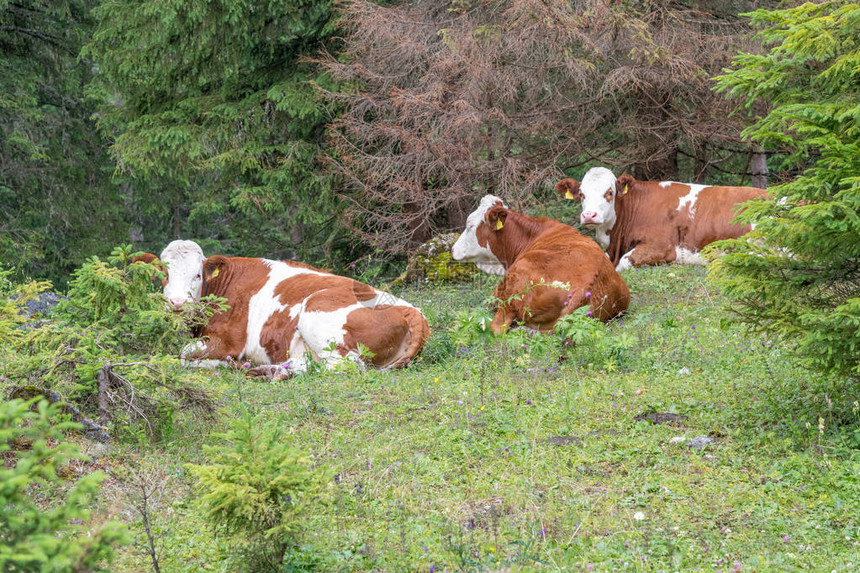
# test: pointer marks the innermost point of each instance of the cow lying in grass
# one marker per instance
(284, 313)
(551, 269)
(650, 222)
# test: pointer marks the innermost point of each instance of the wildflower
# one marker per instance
(587, 294)
(246, 365)
(565, 303)
(588, 313)
(590, 567)
(638, 516)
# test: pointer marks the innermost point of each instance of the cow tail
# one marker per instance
(417, 336)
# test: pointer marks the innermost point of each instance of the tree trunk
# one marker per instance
(758, 169)
(418, 223)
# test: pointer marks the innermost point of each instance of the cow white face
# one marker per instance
(184, 282)
(467, 248)
(598, 198)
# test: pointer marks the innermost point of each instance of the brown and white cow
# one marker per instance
(551, 269)
(284, 312)
(650, 222)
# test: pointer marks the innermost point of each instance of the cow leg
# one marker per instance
(646, 254)
(194, 354)
(687, 257)
(273, 372)
(625, 262)
(300, 354)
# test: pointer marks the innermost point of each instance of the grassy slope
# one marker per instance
(500, 457)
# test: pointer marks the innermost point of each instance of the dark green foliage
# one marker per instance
(214, 115)
(257, 488)
(798, 273)
(36, 537)
(57, 204)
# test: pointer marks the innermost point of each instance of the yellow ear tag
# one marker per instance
(624, 191)
(215, 273)
(568, 195)
(499, 224)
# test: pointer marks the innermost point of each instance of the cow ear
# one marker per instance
(150, 259)
(569, 189)
(496, 217)
(623, 184)
(144, 258)
(214, 266)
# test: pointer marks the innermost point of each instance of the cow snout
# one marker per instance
(177, 302)
(589, 218)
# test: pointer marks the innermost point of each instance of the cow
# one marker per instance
(284, 312)
(649, 222)
(550, 268)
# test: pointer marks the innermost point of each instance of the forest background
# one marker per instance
(290, 129)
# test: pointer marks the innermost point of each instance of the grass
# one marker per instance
(523, 454)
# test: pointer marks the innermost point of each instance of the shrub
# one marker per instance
(52, 538)
(257, 489)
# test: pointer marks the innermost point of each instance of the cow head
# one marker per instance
(597, 193)
(184, 282)
(473, 244)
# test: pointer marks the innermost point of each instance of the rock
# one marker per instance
(433, 262)
(700, 442)
(677, 440)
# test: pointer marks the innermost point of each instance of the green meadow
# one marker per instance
(668, 440)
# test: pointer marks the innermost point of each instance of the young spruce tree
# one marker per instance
(798, 273)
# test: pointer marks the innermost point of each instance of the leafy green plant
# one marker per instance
(258, 488)
(472, 327)
(38, 536)
(112, 344)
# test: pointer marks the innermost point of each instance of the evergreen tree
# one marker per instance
(215, 119)
(798, 272)
(32, 537)
(57, 203)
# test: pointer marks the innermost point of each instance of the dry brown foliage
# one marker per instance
(447, 101)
